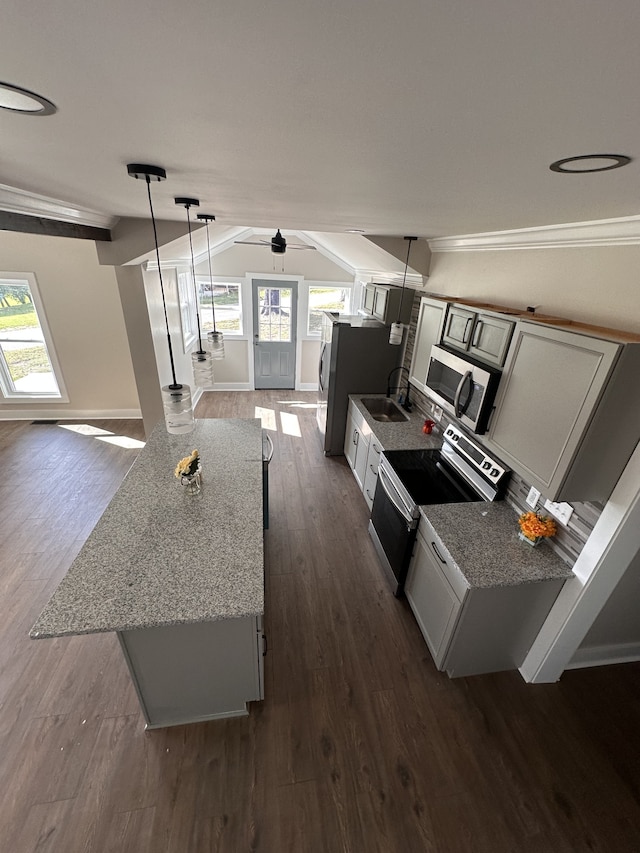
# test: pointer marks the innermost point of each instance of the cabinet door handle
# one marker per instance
(265, 647)
(355, 437)
(437, 553)
(466, 327)
(476, 334)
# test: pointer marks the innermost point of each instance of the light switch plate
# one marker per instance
(533, 497)
(561, 511)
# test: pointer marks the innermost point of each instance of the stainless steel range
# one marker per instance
(458, 472)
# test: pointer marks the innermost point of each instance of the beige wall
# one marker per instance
(593, 285)
(85, 318)
(240, 259)
(309, 358)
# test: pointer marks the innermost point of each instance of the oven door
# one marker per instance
(393, 527)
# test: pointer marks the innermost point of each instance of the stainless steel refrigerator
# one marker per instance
(355, 358)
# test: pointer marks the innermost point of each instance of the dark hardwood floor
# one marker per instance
(360, 745)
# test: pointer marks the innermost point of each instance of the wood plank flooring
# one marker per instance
(360, 746)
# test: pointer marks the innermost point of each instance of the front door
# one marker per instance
(274, 323)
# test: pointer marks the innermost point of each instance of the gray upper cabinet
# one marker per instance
(383, 301)
(483, 335)
(428, 332)
(567, 413)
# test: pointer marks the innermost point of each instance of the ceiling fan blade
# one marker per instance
(300, 246)
(253, 242)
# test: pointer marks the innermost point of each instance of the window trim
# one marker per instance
(187, 308)
(305, 292)
(10, 396)
(238, 281)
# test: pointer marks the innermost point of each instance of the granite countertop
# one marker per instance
(159, 556)
(403, 435)
(482, 539)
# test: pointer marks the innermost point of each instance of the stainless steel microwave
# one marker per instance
(463, 388)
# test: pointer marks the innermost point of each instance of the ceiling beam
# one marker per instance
(51, 227)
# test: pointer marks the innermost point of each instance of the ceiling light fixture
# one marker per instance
(176, 397)
(18, 100)
(201, 360)
(215, 339)
(590, 163)
(395, 335)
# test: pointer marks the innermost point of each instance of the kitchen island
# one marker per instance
(178, 577)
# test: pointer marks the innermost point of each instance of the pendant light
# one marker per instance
(176, 397)
(201, 360)
(215, 339)
(397, 329)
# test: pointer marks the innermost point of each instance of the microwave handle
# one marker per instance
(456, 400)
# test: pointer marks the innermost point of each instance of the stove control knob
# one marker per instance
(494, 472)
(486, 465)
(454, 436)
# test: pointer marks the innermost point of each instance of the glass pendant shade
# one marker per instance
(215, 344)
(178, 409)
(395, 334)
(202, 363)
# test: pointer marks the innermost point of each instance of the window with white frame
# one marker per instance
(28, 366)
(225, 298)
(326, 297)
(186, 300)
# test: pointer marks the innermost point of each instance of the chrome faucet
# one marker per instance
(404, 402)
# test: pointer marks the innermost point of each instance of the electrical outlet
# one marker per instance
(533, 497)
(437, 413)
(561, 511)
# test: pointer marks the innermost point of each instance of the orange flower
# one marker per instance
(533, 525)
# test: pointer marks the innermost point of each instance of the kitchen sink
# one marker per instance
(384, 409)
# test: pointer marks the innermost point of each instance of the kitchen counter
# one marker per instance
(402, 435)
(159, 556)
(178, 577)
(482, 539)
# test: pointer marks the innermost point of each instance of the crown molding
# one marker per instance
(13, 200)
(624, 231)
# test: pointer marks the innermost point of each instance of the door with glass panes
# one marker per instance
(274, 325)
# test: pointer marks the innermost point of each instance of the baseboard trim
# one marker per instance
(307, 386)
(605, 655)
(70, 414)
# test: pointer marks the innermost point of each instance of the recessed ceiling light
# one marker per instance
(590, 163)
(19, 100)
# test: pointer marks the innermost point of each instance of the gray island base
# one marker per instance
(179, 578)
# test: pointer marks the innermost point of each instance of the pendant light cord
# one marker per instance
(195, 288)
(213, 310)
(175, 385)
(406, 266)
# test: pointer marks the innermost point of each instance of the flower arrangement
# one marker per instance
(189, 465)
(534, 526)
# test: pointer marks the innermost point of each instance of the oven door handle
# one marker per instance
(395, 498)
(456, 400)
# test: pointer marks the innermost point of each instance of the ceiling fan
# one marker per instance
(277, 244)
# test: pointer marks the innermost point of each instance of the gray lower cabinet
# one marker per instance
(201, 671)
(356, 444)
(371, 475)
(429, 327)
(468, 630)
(567, 413)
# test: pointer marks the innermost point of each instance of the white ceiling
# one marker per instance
(418, 117)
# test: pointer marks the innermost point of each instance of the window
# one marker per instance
(225, 296)
(326, 298)
(187, 309)
(26, 365)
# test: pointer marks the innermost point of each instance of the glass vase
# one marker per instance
(532, 542)
(191, 483)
